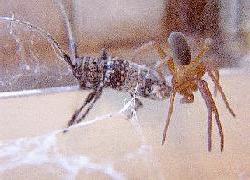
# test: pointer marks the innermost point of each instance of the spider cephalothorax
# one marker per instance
(187, 78)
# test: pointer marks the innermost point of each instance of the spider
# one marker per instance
(187, 78)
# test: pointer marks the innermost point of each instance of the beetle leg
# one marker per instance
(207, 96)
(170, 111)
(97, 95)
(77, 112)
(137, 105)
(90, 101)
(143, 48)
(70, 32)
(104, 54)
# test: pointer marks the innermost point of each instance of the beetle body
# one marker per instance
(120, 75)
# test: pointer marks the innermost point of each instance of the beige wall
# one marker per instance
(96, 22)
(118, 20)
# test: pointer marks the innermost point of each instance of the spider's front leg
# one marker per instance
(150, 45)
(207, 96)
(219, 88)
(170, 111)
(217, 76)
(153, 45)
(211, 68)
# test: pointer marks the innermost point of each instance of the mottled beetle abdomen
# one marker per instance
(89, 72)
(121, 75)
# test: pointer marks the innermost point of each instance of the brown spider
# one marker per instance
(187, 78)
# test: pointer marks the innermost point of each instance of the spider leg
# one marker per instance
(217, 76)
(170, 111)
(214, 70)
(217, 118)
(209, 129)
(169, 61)
(150, 45)
(155, 46)
(217, 84)
(207, 96)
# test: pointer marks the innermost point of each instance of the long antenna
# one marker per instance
(68, 26)
(59, 51)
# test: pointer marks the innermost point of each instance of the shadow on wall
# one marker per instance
(219, 20)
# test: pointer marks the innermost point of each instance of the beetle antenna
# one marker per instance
(55, 45)
(68, 26)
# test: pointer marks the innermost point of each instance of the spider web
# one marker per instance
(43, 149)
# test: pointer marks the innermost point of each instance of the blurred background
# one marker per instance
(121, 27)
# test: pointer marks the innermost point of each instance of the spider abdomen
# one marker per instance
(180, 48)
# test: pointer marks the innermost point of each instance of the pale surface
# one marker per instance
(114, 147)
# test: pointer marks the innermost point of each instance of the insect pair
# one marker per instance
(97, 73)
